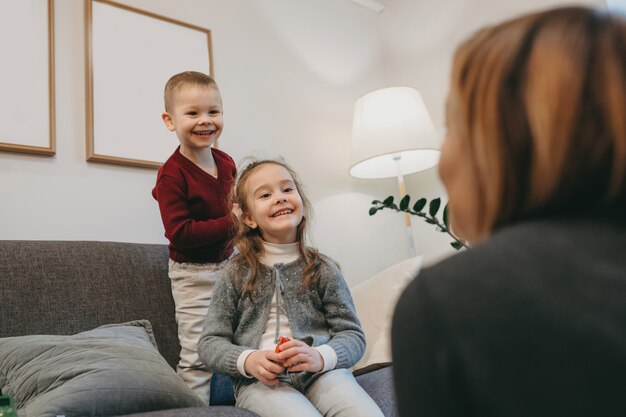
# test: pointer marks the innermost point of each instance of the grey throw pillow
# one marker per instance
(111, 370)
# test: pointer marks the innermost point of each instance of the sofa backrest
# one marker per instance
(65, 287)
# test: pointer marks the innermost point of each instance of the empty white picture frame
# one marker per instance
(130, 54)
(27, 77)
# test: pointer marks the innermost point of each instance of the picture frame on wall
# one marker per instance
(130, 54)
(27, 119)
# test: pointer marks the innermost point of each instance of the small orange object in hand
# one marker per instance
(281, 340)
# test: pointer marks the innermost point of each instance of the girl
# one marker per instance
(277, 286)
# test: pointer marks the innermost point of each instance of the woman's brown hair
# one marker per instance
(542, 102)
(249, 241)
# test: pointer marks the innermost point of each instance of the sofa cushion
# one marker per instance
(111, 370)
(379, 385)
(80, 285)
(375, 301)
(212, 411)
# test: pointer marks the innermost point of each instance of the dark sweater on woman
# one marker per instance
(194, 208)
(530, 323)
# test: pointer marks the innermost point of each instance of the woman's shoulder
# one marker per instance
(516, 245)
(526, 258)
(466, 286)
(536, 272)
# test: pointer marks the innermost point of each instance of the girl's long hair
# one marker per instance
(249, 241)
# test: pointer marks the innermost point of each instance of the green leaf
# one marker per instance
(456, 245)
(433, 208)
(430, 221)
(388, 201)
(377, 202)
(446, 220)
(373, 211)
(419, 204)
(404, 203)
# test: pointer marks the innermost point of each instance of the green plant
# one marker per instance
(416, 210)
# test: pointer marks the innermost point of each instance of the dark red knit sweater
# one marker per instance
(194, 208)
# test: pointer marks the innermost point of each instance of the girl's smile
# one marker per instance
(273, 204)
(282, 212)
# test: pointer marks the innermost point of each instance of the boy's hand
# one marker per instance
(297, 356)
(236, 210)
(263, 366)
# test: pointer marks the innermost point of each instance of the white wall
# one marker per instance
(289, 71)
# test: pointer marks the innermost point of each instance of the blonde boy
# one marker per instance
(192, 189)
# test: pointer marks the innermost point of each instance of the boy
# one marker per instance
(192, 189)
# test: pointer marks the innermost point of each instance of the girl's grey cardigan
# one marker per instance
(324, 314)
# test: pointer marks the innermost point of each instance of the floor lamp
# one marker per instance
(392, 136)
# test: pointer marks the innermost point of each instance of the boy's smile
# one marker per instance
(196, 117)
(205, 134)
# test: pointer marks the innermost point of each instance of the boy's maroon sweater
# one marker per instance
(194, 208)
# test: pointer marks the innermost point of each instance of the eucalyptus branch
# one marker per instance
(416, 210)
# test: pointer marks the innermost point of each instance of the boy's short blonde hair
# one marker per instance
(185, 78)
(543, 107)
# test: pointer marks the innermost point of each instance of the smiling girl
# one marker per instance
(278, 286)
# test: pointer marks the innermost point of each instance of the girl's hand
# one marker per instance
(262, 365)
(297, 356)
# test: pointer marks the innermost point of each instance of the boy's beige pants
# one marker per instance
(192, 289)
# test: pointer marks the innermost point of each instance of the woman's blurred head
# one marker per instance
(536, 120)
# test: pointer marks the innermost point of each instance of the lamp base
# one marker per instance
(407, 216)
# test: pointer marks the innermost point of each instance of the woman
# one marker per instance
(532, 320)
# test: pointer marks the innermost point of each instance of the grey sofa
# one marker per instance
(66, 287)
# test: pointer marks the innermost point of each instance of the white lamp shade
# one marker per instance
(392, 123)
